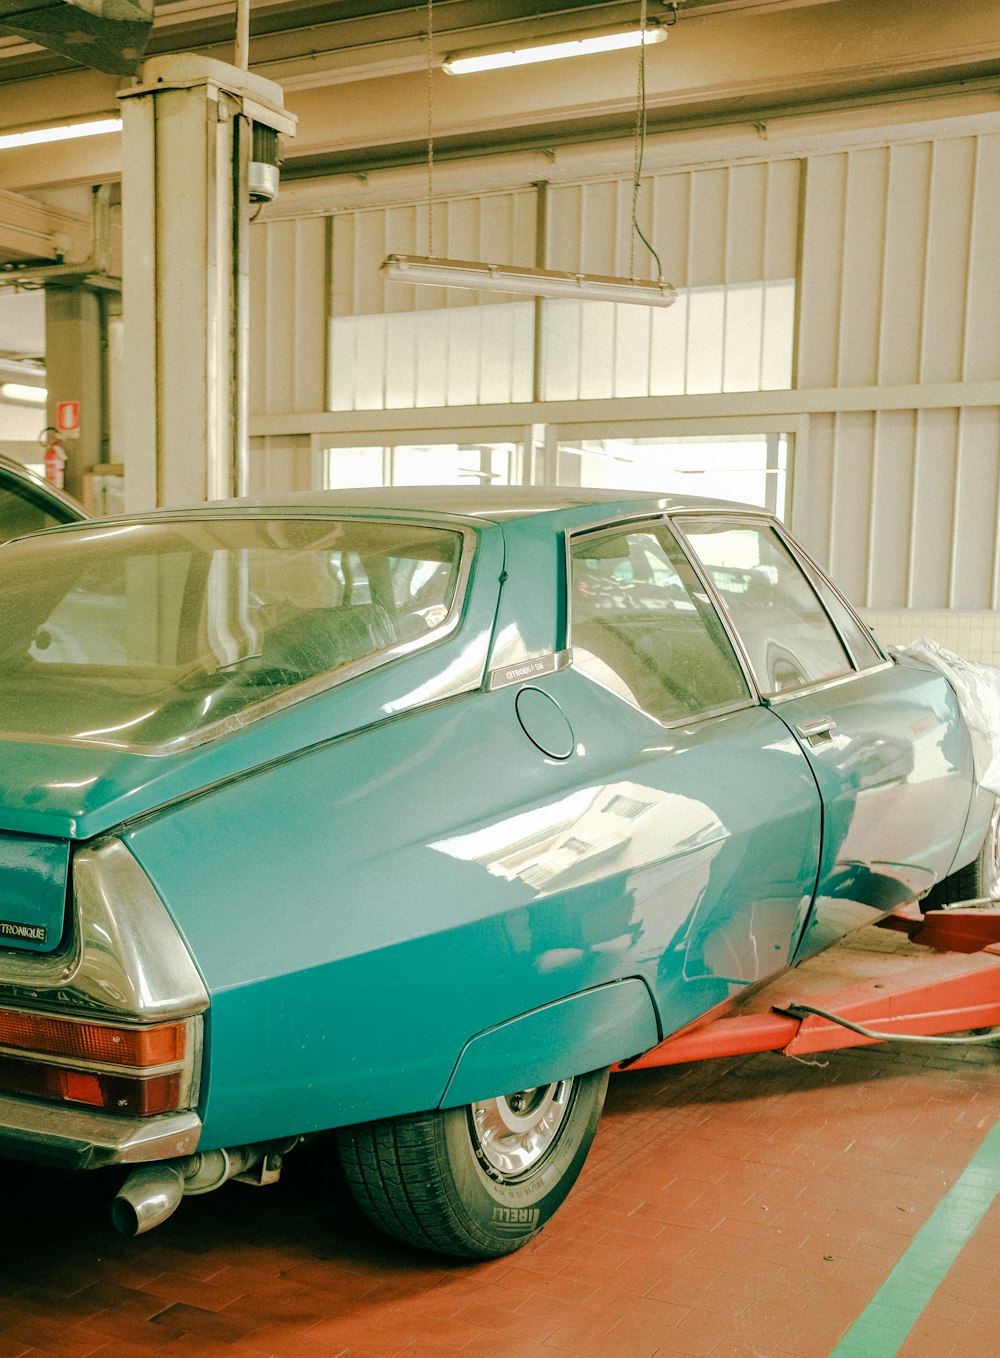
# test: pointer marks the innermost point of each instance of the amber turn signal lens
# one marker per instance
(93, 1041)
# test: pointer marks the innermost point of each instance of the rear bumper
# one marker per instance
(75, 1138)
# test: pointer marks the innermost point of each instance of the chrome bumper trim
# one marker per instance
(75, 1138)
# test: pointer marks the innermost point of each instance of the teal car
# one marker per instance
(407, 814)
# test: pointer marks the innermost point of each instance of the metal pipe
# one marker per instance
(153, 1193)
(147, 1197)
(242, 35)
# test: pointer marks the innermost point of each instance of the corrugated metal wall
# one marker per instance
(899, 285)
(732, 224)
(893, 249)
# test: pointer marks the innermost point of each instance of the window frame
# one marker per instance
(641, 523)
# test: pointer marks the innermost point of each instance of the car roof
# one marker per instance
(487, 502)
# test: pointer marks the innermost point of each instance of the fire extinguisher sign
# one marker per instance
(68, 417)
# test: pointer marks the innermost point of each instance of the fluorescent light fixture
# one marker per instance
(492, 59)
(463, 273)
(68, 132)
(20, 391)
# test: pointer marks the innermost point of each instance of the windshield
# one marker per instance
(157, 635)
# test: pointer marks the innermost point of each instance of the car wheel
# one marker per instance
(978, 880)
(477, 1181)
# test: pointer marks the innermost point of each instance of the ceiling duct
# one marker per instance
(109, 35)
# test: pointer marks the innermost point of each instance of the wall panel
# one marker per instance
(889, 519)
(864, 233)
(904, 255)
(898, 286)
(288, 271)
(882, 248)
(278, 465)
(851, 501)
(932, 510)
(949, 238)
(811, 509)
(820, 286)
(974, 529)
(981, 360)
(902, 505)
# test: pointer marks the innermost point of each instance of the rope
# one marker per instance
(640, 148)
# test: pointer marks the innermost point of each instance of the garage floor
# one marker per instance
(758, 1206)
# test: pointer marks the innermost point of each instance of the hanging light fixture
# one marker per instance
(463, 273)
(496, 58)
(483, 277)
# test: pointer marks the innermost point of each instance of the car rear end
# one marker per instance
(101, 1010)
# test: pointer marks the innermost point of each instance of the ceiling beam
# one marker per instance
(33, 230)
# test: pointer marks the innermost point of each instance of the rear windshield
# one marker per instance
(156, 635)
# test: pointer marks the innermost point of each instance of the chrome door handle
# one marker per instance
(816, 731)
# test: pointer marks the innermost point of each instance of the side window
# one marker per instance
(789, 638)
(641, 625)
(859, 640)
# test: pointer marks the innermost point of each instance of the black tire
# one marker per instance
(479, 1181)
(978, 880)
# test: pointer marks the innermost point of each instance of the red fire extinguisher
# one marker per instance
(55, 460)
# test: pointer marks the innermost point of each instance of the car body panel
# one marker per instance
(696, 900)
(589, 1028)
(477, 865)
(79, 790)
(895, 777)
(34, 875)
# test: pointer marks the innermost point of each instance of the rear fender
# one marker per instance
(584, 1032)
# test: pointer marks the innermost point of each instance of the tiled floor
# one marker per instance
(736, 1208)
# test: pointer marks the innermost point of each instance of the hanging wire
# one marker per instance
(430, 128)
(640, 149)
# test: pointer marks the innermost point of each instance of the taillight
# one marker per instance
(93, 1041)
(135, 1072)
(135, 1096)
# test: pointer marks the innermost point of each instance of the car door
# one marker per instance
(885, 741)
(701, 822)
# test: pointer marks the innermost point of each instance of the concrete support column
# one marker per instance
(75, 362)
(185, 213)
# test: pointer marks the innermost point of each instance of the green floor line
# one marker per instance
(883, 1325)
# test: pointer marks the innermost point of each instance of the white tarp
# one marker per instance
(977, 688)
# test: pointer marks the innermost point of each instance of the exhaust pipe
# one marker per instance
(147, 1197)
(151, 1194)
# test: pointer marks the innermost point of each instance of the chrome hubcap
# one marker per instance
(512, 1134)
